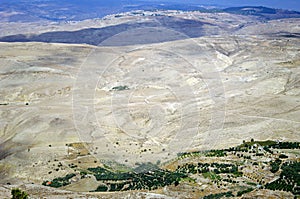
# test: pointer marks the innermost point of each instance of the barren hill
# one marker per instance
(130, 89)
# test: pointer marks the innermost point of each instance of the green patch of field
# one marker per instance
(215, 153)
(188, 179)
(212, 176)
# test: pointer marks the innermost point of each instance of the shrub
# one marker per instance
(283, 156)
(120, 88)
(18, 194)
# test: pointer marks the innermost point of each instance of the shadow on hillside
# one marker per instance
(156, 30)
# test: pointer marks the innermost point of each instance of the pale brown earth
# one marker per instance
(201, 93)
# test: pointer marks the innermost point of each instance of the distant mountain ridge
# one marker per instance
(66, 10)
(267, 13)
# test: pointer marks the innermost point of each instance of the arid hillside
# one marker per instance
(140, 87)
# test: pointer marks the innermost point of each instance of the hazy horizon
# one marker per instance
(288, 4)
(279, 4)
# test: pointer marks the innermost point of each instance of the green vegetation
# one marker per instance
(188, 154)
(267, 146)
(60, 181)
(18, 194)
(275, 165)
(243, 160)
(105, 174)
(260, 143)
(215, 153)
(149, 180)
(286, 145)
(206, 167)
(240, 193)
(144, 167)
(213, 176)
(188, 179)
(101, 188)
(122, 181)
(155, 179)
(289, 178)
(83, 173)
(120, 88)
(283, 156)
(116, 166)
(219, 195)
(238, 174)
